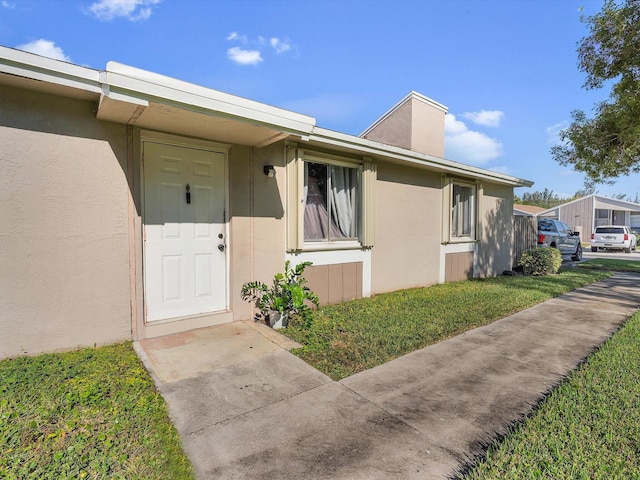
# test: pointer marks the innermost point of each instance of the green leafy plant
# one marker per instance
(540, 261)
(287, 295)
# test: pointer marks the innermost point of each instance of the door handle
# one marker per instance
(221, 247)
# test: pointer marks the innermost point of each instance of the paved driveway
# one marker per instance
(635, 256)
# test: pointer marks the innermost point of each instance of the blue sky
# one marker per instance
(506, 69)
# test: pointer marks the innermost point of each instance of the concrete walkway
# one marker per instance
(248, 409)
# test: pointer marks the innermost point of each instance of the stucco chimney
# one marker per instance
(415, 123)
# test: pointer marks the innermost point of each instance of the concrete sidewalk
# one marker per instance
(248, 409)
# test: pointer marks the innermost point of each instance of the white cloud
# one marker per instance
(453, 126)
(252, 54)
(280, 46)
(236, 36)
(133, 10)
(46, 48)
(486, 118)
(468, 146)
(244, 57)
(6, 4)
(553, 132)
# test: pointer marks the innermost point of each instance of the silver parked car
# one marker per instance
(613, 237)
(557, 234)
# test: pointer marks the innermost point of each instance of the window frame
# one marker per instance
(358, 167)
(472, 236)
(367, 175)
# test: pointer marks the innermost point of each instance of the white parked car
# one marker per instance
(613, 237)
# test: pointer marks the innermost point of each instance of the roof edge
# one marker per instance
(45, 69)
(142, 83)
(412, 95)
(410, 157)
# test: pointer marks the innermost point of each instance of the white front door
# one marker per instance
(185, 261)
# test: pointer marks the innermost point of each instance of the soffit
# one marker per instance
(43, 86)
(615, 204)
(181, 121)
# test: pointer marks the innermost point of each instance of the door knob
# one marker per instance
(221, 247)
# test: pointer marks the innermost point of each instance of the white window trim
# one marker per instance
(295, 158)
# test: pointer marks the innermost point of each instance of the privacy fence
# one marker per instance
(525, 236)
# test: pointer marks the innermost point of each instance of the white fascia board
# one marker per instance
(57, 72)
(622, 204)
(409, 96)
(136, 83)
(608, 202)
(409, 157)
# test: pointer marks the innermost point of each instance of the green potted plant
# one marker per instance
(285, 297)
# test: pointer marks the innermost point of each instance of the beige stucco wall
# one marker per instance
(427, 129)
(414, 125)
(64, 253)
(406, 252)
(240, 224)
(395, 129)
(257, 219)
(494, 248)
(259, 244)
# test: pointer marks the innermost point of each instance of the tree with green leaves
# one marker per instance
(607, 146)
(548, 198)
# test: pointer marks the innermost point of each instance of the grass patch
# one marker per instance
(588, 428)
(354, 336)
(93, 413)
(611, 265)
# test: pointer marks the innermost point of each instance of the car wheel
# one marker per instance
(577, 256)
(594, 249)
(627, 250)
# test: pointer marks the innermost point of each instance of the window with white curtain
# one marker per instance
(330, 200)
(463, 207)
(332, 196)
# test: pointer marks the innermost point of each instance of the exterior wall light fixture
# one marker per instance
(269, 171)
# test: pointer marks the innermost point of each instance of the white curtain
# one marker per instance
(344, 200)
(461, 220)
(315, 208)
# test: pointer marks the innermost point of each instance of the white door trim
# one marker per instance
(197, 144)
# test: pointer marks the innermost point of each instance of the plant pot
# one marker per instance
(278, 320)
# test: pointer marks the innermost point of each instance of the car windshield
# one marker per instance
(609, 230)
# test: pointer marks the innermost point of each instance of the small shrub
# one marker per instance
(541, 261)
(286, 296)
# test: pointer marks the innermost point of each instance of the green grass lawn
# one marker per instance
(93, 413)
(354, 336)
(588, 428)
(611, 264)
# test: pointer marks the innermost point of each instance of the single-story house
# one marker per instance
(526, 210)
(585, 214)
(136, 205)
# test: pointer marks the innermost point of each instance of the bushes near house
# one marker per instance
(540, 261)
(93, 413)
